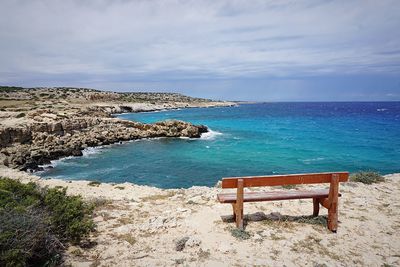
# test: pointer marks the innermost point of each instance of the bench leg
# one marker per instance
(333, 217)
(239, 204)
(234, 211)
(316, 206)
(333, 207)
(239, 216)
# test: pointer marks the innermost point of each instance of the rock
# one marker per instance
(180, 244)
(257, 237)
(256, 217)
(196, 200)
(68, 137)
(276, 216)
(76, 153)
(182, 210)
(157, 222)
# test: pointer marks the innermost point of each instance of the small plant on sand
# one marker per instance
(94, 183)
(120, 187)
(203, 254)
(367, 177)
(240, 234)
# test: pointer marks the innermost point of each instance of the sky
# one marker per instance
(232, 50)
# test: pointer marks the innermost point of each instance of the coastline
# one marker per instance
(139, 225)
(86, 118)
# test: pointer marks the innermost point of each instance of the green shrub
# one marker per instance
(94, 183)
(120, 187)
(69, 214)
(18, 196)
(367, 177)
(240, 234)
(8, 89)
(34, 222)
(25, 239)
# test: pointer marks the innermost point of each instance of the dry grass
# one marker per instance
(158, 197)
(312, 244)
(203, 254)
(14, 103)
(125, 220)
(128, 238)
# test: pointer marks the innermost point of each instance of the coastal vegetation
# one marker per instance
(36, 224)
(367, 177)
(76, 94)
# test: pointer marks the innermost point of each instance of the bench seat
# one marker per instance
(273, 195)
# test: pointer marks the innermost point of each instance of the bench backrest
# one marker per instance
(290, 179)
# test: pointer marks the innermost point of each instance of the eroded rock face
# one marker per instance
(36, 144)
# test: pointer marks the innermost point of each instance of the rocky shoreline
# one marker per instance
(42, 124)
(39, 143)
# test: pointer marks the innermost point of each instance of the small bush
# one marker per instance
(240, 234)
(120, 187)
(367, 177)
(35, 222)
(25, 239)
(94, 183)
(69, 214)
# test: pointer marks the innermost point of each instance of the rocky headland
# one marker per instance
(42, 124)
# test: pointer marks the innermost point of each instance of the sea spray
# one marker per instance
(210, 135)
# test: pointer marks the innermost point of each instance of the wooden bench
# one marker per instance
(327, 198)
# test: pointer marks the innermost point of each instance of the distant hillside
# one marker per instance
(71, 93)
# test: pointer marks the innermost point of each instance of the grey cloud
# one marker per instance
(196, 39)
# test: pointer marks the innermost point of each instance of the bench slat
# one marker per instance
(273, 195)
(290, 179)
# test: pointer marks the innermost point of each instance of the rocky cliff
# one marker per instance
(27, 147)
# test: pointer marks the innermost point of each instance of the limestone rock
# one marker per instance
(68, 137)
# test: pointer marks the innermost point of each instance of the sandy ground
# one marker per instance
(139, 226)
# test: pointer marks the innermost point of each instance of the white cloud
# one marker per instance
(198, 38)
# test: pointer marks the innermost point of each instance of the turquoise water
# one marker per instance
(256, 139)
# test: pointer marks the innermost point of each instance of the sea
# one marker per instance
(248, 140)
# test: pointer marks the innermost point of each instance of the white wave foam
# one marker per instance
(381, 109)
(90, 151)
(210, 135)
(309, 161)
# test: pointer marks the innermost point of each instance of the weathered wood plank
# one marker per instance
(291, 179)
(274, 195)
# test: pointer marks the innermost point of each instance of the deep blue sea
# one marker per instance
(251, 139)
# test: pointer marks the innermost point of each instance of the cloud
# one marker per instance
(141, 40)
